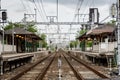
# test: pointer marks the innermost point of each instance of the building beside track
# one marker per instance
(24, 41)
(103, 39)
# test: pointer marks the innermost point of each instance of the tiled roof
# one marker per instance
(22, 31)
(18, 30)
(101, 29)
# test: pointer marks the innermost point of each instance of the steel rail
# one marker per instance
(90, 68)
(28, 69)
(78, 76)
(41, 75)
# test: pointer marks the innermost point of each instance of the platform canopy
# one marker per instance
(22, 31)
(101, 29)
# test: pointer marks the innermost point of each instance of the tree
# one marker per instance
(112, 22)
(81, 32)
(30, 26)
(43, 41)
(43, 36)
(71, 44)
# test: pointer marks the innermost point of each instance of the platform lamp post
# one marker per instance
(113, 11)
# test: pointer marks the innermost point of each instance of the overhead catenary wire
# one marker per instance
(29, 7)
(76, 10)
(24, 5)
(43, 8)
(44, 19)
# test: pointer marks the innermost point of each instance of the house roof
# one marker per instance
(101, 29)
(22, 31)
(18, 30)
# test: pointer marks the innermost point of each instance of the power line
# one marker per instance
(29, 7)
(86, 7)
(104, 19)
(43, 7)
(40, 7)
(38, 10)
(76, 10)
(23, 5)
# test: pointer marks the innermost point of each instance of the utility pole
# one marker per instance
(57, 11)
(13, 38)
(35, 15)
(118, 31)
(25, 20)
(3, 20)
(69, 36)
(78, 14)
(58, 20)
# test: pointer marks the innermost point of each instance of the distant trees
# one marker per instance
(43, 42)
(80, 32)
(30, 26)
(112, 22)
(73, 44)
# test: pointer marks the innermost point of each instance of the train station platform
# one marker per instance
(96, 57)
(14, 60)
(12, 57)
(95, 54)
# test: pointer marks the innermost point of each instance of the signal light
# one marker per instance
(4, 15)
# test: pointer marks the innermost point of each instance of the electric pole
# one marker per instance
(118, 31)
(78, 14)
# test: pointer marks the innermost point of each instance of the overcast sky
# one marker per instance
(17, 8)
(67, 9)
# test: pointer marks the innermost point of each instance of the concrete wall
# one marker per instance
(95, 48)
(7, 47)
(105, 47)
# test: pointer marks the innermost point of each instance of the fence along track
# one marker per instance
(28, 69)
(90, 68)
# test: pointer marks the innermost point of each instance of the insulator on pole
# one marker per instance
(113, 10)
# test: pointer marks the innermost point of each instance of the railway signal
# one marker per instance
(4, 15)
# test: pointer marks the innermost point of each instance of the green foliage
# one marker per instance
(30, 26)
(43, 36)
(32, 29)
(10, 26)
(82, 45)
(112, 22)
(89, 43)
(73, 44)
(43, 42)
(81, 32)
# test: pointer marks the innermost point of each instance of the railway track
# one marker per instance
(82, 70)
(71, 68)
(63, 72)
(35, 71)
